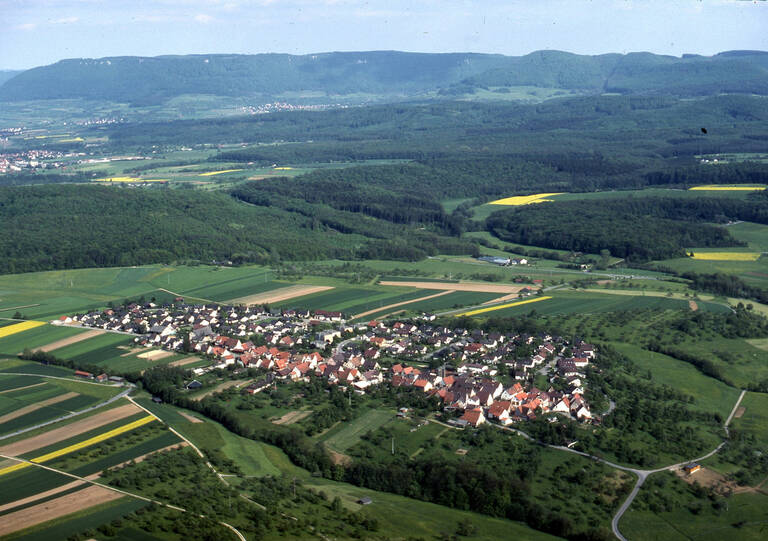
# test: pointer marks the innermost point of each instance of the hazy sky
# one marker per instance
(37, 32)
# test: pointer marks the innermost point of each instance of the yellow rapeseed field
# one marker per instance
(524, 199)
(19, 327)
(727, 256)
(501, 306)
(283, 168)
(212, 173)
(712, 187)
(83, 444)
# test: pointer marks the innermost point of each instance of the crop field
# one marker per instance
(524, 199)
(76, 523)
(344, 436)
(727, 256)
(727, 188)
(33, 338)
(213, 173)
(502, 306)
(19, 327)
(588, 302)
(129, 179)
(351, 299)
(452, 300)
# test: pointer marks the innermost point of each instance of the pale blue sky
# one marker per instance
(38, 32)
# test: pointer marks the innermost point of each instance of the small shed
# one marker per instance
(365, 501)
(194, 384)
(691, 468)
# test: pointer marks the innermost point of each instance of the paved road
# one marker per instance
(68, 415)
(642, 475)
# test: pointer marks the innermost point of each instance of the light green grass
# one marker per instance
(348, 434)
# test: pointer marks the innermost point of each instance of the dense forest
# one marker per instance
(143, 80)
(56, 227)
(638, 229)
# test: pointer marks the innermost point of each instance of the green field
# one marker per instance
(744, 518)
(711, 395)
(754, 421)
(345, 435)
(34, 338)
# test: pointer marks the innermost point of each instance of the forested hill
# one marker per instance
(387, 73)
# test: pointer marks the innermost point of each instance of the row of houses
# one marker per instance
(297, 345)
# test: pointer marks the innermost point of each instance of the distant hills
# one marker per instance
(388, 74)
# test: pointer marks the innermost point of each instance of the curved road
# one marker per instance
(642, 475)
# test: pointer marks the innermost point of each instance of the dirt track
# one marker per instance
(34, 407)
(463, 286)
(511, 296)
(71, 340)
(58, 507)
(292, 417)
(190, 418)
(58, 434)
(363, 314)
(25, 387)
(282, 294)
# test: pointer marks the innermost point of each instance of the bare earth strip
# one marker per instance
(25, 387)
(184, 362)
(156, 354)
(693, 305)
(292, 417)
(363, 314)
(41, 495)
(34, 407)
(141, 458)
(739, 412)
(282, 294)
(190, 418)
(59, 507)
(463, 286)
(68, 431)
(71, 340)
(501, 299)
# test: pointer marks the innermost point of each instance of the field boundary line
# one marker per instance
(397, 304)
(121, 491)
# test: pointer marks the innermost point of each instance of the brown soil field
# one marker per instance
(34, 407)
(190, 418)
(282, 294)
(56, 435)
(739, 412)
(338, 458)
(71, 340)
(511, 296)
(41, 495)
(710, 479)
(58, 507)
(184, 362)
(693, 305)
(156, 354)
(395, 305)
(292, 417)
(25, 387)
(463, 286)
(141, 458)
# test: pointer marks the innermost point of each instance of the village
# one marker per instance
(481, 376)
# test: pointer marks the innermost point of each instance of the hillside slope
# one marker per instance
(390, 74)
